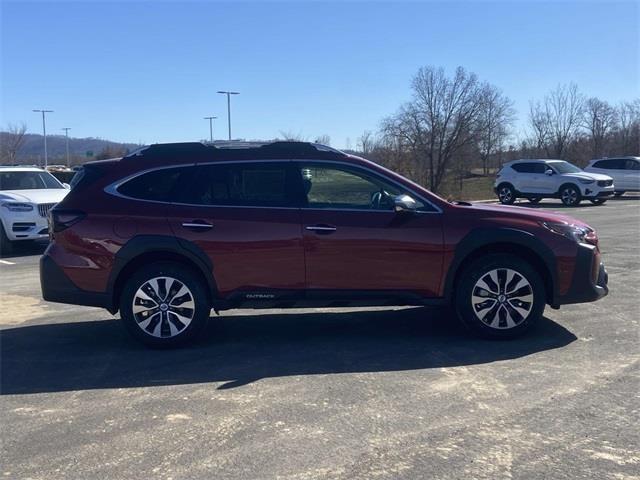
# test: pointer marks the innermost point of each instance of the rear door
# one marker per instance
(354, 240)
(244, 216)
(528, 177)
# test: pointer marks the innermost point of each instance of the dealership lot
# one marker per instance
(340, 393)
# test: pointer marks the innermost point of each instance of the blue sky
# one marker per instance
(148, 71)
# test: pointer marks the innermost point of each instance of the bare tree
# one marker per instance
(628, 132)
(12, 140)
(495, 120)
(366, 142)
(599, 120)
(323, 139)
(293, 137)
(556, 120)
(441, 119)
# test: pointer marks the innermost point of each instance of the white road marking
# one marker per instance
(6, 262)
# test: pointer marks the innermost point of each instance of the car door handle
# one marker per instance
(322, 229)
(197, 225)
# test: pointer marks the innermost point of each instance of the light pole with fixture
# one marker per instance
(66, 134)
(44, 134)
(228, 94)
(211, 119)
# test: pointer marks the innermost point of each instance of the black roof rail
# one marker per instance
(236, 149)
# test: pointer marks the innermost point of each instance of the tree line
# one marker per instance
(456, 124)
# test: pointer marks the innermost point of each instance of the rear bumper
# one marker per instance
(57, 287)
(590, 278)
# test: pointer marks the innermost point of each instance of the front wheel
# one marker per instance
(506, 194)
(598, 201)
(570, 195)
(500, 296)
(6, 245)
(164, 305)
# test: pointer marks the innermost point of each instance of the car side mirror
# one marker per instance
(549, 172)
(404, 203)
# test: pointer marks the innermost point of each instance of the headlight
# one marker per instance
(18, 207)
(576, 233)
(586, 181)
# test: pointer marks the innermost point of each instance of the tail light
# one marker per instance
(61, 219)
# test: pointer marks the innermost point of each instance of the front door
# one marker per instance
(242, 215)
(355, 241)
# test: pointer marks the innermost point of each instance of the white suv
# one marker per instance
(538, 179)
(625, 172)
(26, 196)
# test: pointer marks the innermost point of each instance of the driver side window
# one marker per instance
(335, 187)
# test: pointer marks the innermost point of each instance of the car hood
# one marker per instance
(525, 213)
(44, 195)
(587, 176)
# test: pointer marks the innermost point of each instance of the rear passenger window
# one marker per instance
(243, 184)
(610, 164)
(633, 165)
(157, 185)
(523, 167)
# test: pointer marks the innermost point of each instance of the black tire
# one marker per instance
(619, 194)
(173, 324)
(498, 318)
(6, 245)
(570, 195)
(506, 194)
(598, 201)
(534, 200)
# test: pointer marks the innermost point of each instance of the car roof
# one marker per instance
(630, 157)
(188, 152)
(534, 160)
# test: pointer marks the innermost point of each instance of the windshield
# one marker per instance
(564, 167)
(27, 181)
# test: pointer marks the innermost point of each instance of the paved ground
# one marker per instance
(357, 394)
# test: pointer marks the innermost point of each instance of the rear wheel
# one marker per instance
(570, 195)
(500, 296)
(598, 201)
(506, 194)
(164, 305)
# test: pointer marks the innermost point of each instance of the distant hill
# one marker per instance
(80, 149)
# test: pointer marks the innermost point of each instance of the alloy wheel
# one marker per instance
(505, 194)
(163, 307)
(502, 298)
(569, 196)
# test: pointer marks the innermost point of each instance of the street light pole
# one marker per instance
(228, 94)
(210, 127)
(66, 134)
(44, 134)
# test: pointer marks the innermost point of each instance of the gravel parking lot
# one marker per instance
(339, 393)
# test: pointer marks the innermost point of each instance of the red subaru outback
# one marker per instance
(172, 231)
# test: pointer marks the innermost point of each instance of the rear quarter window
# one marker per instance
(158, 185)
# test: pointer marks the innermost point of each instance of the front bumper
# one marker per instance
(57, 287)
(597, 192)
(25, 226)
(590, 279)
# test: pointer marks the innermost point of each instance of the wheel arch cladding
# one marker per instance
(144, 249)
(484, 241)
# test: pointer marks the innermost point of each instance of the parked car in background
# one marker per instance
(538, 179)
(26, 196)
(625, 172)
(167, 233)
